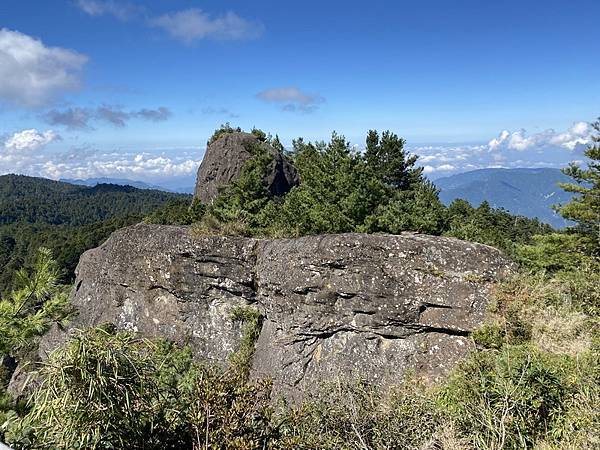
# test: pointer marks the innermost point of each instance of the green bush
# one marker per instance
(356, 415)
(177, 212)
(37, 302)
(556, 252)
(251, 319)
(225, 128)
(495, 227)
(117, 390)
(509, 399)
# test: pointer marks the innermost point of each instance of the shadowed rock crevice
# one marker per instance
(349, 305)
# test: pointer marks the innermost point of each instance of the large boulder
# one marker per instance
(224, 159)
(353, 305)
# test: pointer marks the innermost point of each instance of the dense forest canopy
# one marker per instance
(38, 200)
(68, 219)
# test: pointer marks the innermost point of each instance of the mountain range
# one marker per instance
(527, 192)
(126, 182)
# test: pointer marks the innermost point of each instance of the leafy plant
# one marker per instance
(251, 319)
(109, 389)
(508, 399)
(355, 416)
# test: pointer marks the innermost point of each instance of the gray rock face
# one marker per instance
(374, 306)
(223, 162)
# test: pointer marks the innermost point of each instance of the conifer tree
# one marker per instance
(584, 208)
(30, 309)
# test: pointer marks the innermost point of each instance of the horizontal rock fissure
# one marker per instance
(443, 330)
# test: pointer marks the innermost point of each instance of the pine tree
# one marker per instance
(584, 208)
(30, 309)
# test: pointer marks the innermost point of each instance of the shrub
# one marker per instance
(354, 415)
(177, 212)
(226, 128)
(31, 308)
(556, 252)
(241, 360)
(509, 399)
(116, 390)
(209, 225)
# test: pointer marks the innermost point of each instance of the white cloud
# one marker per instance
(29, 140)
(31, 73)
(445, 168)
(134, 166)
(291, 98)
(194, 24)
(428, 169)
(548, 148)
(122, 10)
(578, 134)
(89, 163)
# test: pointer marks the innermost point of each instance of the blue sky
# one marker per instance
(134, 89)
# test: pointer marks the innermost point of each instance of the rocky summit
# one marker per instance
(224, 159)
(350, 305)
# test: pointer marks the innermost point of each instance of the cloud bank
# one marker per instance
(510, 149)
(578, 134)
(134, 166)
(24, 152)
(31, 73)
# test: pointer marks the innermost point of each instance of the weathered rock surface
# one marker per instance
(223, 162)
(374, 306)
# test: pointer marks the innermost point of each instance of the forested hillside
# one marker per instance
(67, 219)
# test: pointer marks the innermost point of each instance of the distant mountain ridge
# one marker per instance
(526, 192)
(119, 181)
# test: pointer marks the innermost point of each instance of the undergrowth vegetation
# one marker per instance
(533, 380)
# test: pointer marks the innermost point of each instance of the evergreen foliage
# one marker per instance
(343, 190)
(177, 212)
(584, 209)
(223, 129)
(65, 218)
(29, 310)
(490, 226)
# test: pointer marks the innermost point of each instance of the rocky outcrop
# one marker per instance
(224, 159)
(374, 306)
